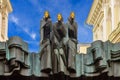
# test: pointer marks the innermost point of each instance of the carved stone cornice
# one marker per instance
(115, 35)
(7, 4)
(99, 19)
(116, 3)
(96, 8)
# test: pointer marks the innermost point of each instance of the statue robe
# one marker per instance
(45, 53)
(72, 45)
(59, 59)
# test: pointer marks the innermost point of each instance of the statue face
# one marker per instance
(46, 14)
(59, 17)
(72, 15)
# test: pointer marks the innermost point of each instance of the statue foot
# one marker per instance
(47, 70)
(71, 70)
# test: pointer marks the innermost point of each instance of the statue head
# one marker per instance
(59, 17)
(46, 14)
(72, 15)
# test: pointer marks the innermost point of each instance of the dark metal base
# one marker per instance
(59, 76)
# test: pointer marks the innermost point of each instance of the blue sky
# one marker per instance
(24, 21)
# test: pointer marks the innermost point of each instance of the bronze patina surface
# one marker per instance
(58, 58)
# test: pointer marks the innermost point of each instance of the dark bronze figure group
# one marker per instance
(58, 45)
(58, 59)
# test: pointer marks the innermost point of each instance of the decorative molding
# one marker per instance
(99, 19)
(115, 35)
(96, 6)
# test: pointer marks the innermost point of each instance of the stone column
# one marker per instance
(116, 12)
(104, 22)
(5, 25)
(0, 24)
(3, 29)
(0, 18)
(112, 11)
(109, 22)
(5, 8)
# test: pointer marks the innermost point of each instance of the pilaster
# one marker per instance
(5, 9)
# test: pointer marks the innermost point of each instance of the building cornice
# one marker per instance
(96, 6)
(115, 35)
(99, 19)
(8, 5)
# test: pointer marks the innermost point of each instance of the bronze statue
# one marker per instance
(45, 53)
(59, 63)
(72, 42)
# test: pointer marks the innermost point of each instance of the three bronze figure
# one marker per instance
(58, 45)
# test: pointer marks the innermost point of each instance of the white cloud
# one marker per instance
(32, 42)
(26, 30)
(33, 35)
(16, 20)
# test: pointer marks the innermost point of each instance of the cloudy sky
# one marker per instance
(24, 21)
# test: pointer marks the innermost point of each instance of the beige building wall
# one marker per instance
(5, 9)
(104, 16)
(82, 48)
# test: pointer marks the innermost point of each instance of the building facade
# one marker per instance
(5, 9)
(82, 48)
(105, 19)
